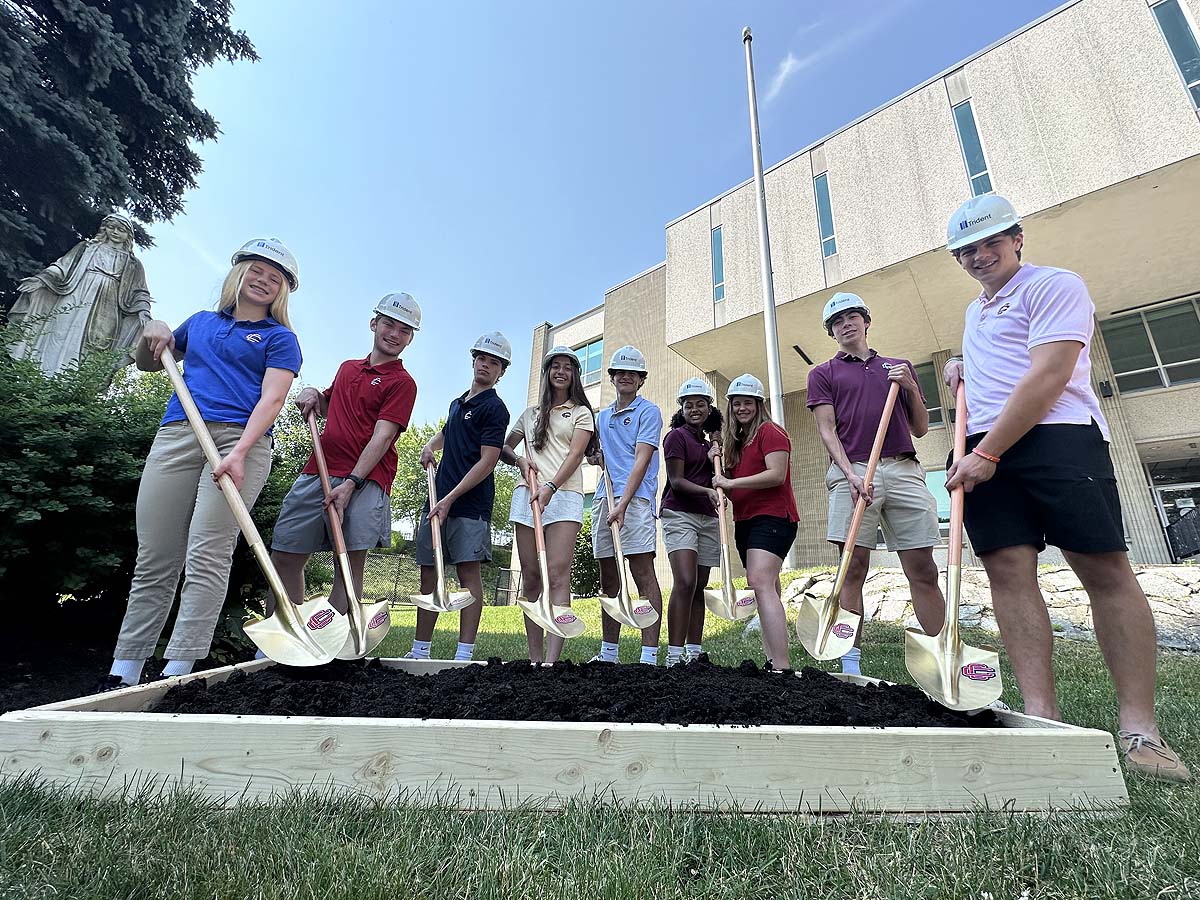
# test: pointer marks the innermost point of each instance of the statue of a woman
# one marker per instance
(93, 299)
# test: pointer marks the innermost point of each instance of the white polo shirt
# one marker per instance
(1039, 305)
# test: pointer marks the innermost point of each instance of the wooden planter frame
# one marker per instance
(104, 744)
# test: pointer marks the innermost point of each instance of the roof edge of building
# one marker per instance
(633, 278)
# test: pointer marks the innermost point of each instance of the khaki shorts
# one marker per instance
(693, 531)
(639, 535)
(903, 506)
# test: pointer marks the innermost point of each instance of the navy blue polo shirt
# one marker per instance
(226, 361)
(481, 421)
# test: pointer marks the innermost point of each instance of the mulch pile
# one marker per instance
(698, 692)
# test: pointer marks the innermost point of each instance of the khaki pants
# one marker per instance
(184, 524)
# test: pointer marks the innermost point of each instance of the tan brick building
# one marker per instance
(1087, 120)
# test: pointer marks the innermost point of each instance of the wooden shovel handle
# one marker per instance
(539, 537)
(860, 508)
(335, 521)
(958, 495)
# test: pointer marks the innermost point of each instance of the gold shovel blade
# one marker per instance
(644, 614)
(970, 679)
(825, 629)
(325, 632)
(560, 620)
(458, 600)
(616, 610)
(376, 623)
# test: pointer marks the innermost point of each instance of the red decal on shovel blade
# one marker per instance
(842, 630)
(320, 619)
(978, 672)
(378, 619)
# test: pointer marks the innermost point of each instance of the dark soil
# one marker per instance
(699, 692)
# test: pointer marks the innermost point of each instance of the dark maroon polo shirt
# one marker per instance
(857, 390)
(682, 443)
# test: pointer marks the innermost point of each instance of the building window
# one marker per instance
(936, 482)
(718, 265)
(825, 215)
(972, 148)
(927, 376)
(1155, 348)
(590, 360)
(1181, 39)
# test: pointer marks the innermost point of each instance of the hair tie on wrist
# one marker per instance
(987, 456)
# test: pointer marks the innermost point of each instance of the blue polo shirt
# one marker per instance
(226, 361)
(620, 432)
(472, 424)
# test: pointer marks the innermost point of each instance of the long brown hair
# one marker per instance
(735, 436)
(546, 400)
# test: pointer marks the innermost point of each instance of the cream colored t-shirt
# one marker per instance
(565, 420)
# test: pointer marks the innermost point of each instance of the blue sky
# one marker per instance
(507, 163)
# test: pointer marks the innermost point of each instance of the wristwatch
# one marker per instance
(358, 482)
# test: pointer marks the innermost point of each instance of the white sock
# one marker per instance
(464, 651)
(130, 670)
(674, 654)
(608, 652)
(420, 649)
(650, 655)
(851, 660)
(693, 650)
(178, 667)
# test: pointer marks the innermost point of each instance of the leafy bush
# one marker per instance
(585, 571)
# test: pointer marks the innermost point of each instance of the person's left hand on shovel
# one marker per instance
(233, 465)
(339, 498)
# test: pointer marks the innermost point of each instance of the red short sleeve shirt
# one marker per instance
(361, 395)
(777, 501)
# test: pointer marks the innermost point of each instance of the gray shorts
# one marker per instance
(903, 506)
(693, 531)
(639, 534)
(463, 540)
(303, 527)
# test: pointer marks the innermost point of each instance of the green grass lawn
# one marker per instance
(55, 846)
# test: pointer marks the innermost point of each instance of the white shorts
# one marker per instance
(639, 534)
(564, 506)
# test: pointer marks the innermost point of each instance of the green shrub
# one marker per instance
(585, 571)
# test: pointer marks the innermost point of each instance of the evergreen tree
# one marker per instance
(97, 113)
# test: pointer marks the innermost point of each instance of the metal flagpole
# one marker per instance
(774, 379)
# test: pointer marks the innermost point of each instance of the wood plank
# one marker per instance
(493, 764)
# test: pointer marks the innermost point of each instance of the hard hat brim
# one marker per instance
(292, 280)
(990, 231)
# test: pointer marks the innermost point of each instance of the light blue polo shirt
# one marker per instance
(226, 361)
(620, 433)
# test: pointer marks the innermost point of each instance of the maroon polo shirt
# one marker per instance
(683, 443)
(361, 395)
(857, 390)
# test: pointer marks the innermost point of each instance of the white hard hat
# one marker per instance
(697, 387)
(746, 386)
(493, 344)
(273, 251)
(402, 307)
(839, 303)
(979, 218)
(560, 350)
(628, 359)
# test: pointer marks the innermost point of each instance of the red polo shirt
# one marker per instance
(777, 501)
(361, 395)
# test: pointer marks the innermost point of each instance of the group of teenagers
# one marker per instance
(1037, 471)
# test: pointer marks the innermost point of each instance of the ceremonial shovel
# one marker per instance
(728, 603)
(954, 674)
(560, 620)
(440, 600)
(826, 629)
(636, 614)
(369, 622)
(305, 634)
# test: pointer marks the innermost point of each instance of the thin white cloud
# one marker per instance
(205, 255)
(839, 43)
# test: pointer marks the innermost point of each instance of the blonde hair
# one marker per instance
(232, 288)
(735, 436)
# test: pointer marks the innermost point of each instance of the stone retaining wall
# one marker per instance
(1173, 591)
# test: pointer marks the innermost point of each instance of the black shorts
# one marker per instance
(771, 533)
(1054, 486)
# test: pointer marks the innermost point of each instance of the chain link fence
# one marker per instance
(395, 577)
